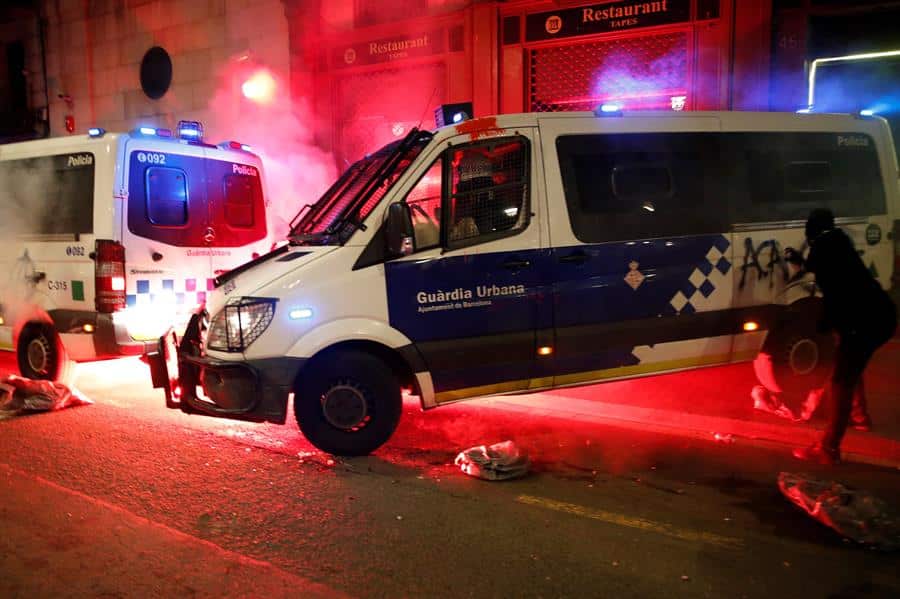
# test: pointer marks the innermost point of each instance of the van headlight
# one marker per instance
(240, 323)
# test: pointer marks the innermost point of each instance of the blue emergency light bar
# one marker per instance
(608, 109)
(190, 130)
(96, 132)
(235, 145)
(447, 114)
(154, 131)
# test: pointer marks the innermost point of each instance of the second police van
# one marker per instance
(523, 252)
(110, 239)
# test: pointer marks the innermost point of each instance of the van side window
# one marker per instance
(643, 185)
(167, 198)
(48, 195)
(778, 176)
(488, 191)
(424, 202)
(639, 185)
(239, 200)
(808, 177)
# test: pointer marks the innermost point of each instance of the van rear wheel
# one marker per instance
(348, 404)
(39, 352)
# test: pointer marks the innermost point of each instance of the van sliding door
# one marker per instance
(641, 248)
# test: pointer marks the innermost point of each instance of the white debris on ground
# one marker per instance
(19, 395)
(854, 514)
(501, 461)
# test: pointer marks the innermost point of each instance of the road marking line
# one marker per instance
(621, 520)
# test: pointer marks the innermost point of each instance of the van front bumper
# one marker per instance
(255, 390)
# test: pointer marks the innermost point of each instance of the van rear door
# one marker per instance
(236, 226)
(166, 221)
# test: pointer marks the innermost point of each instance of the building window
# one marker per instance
(372, 12)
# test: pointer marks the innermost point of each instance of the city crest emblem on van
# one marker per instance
(634, 278)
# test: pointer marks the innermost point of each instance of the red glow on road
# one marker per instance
(260, 87)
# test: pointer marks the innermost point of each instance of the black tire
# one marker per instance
(801, 356)
(348, 403)
(40, 353)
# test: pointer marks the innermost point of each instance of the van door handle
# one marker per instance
(516, 264)
(578, 257)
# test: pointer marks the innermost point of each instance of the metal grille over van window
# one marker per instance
(167, 196)
(489, 189)
(239, 200)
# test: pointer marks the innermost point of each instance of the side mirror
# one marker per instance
(399, 230)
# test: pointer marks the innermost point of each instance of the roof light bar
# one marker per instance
(608, 109)
(190, 130)
(147, 131)
(96, 132)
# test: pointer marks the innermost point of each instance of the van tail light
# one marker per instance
(109, 273)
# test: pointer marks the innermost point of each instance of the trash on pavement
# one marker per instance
(726, 438)
(19, 395)
(855, 514)
(500, 461)
(773, 403)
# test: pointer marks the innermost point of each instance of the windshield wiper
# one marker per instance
(306, 238)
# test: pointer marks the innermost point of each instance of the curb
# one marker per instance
(858, 447)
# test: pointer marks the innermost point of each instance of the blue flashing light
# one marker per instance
(608, 109)
(301, 313)
(147, 131)
(459, 116)
(96, 132)
(190, 130)
(866, 112)
(804, 110)
(246, 148)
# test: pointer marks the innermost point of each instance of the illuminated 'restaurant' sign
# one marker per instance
(603, 18)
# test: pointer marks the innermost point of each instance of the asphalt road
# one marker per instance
(126, 498)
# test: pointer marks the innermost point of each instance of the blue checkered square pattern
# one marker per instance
(701, 285)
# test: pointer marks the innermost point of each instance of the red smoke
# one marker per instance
(253, 105)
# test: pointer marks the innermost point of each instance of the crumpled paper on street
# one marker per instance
(19, 395)
(771, 403)
(854, 514)
(500, 461)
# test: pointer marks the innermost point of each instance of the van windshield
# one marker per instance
(350, 200)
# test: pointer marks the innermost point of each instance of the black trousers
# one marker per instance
(854, 351)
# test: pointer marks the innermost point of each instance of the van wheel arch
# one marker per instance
(400, 368)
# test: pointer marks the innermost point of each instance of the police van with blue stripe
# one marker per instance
(523, 252)
(110, 239)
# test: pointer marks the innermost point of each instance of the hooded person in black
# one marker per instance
(861, 313)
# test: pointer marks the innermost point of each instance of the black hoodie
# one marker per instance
(854, 300)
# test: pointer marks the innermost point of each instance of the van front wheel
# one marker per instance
(39, 352)
(348, 404)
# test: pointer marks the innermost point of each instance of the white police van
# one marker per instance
(109, 238)
(523, 252)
